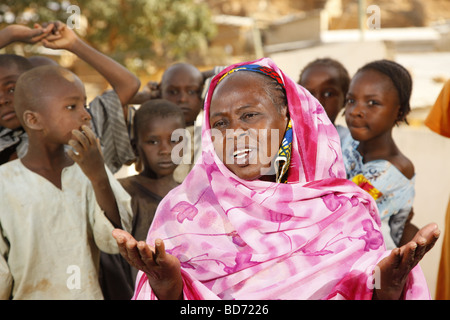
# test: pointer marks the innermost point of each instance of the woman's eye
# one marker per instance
(219, 124)
(70, 107)
(249, 116)
(11, 90)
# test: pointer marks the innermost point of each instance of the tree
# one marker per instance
(130, 31)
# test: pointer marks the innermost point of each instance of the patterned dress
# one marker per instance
(392, 191)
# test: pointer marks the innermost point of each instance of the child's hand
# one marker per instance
(87, 153)
(27, 35)
(61, 37)
(162, 269)
(152, 90)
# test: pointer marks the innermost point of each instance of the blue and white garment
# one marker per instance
(397, 191)
(284, 155)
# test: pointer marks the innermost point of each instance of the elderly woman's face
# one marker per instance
(247, 128)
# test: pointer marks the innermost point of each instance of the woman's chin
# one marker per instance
(253, 172)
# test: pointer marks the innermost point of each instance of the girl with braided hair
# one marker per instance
(377, 100)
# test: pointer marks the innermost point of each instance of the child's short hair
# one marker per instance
(155, 108)
(401, 79)
(20, 62)
(344, 78)
(39, 83)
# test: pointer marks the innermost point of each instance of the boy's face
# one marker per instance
(154, 144)
(8, 78)
(184, 88)
(64, 111)
(323, 83)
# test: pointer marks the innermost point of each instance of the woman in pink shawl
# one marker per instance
(267, 213)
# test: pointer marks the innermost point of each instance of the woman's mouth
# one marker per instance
(239, 154)
(244, 156)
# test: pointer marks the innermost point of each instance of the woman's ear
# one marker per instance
(285, 113)
(31, 120)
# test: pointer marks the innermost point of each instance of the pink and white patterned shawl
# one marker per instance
(315, 237)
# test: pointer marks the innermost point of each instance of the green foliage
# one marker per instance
(130, 31)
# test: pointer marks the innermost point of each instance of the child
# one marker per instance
(56, 215)
(377, 100)
(154, 123)
(327, 80)
(107, 110)
(182, 84)
(13, 139)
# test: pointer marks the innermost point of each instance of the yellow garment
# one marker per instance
(443, 278)
(438, 119)
(365, 184)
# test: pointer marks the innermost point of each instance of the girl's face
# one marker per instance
(247, 127)
(372, 106)
(8, 78)
(323, 83)
(154, 144)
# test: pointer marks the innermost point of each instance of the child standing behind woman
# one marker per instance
(377, 100)
(327, 80)
(154, 123)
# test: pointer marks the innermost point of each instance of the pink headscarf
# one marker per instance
(315, 237)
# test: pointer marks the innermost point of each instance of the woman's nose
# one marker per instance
(236, 133)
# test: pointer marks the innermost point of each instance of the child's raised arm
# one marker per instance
(19, 33)
(124, 83)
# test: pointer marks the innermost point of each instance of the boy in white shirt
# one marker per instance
(58, 208)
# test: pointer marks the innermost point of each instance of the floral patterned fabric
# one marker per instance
(393, 192)
(315, 237)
